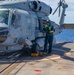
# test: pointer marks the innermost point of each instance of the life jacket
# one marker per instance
(48, 29)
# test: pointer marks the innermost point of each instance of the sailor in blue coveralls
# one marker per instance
(49, 29)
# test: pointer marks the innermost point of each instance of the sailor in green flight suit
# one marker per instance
(49, 29)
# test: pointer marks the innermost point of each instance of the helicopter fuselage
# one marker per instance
(21, 25)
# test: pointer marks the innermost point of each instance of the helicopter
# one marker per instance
(22, 21)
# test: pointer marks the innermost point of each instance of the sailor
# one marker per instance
(48, 29)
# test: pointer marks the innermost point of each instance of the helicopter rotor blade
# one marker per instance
(60, 4)
(55, 10)
(63, 0)
(59, 7)
(59, 12)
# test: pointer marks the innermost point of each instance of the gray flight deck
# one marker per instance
(60, 62)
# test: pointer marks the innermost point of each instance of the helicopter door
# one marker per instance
(29, 27)
(26, 27)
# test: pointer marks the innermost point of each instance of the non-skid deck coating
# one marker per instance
(58, 63)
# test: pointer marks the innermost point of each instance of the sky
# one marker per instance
(69, 11)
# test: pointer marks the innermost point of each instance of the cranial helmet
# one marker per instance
(48, 21)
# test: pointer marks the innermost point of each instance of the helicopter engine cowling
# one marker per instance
(38, 6)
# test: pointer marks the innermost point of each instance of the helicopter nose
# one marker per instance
(3, 34)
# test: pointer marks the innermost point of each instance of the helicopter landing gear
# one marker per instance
(37, 48)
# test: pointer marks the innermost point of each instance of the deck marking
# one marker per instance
(37, 70)
(11, 68)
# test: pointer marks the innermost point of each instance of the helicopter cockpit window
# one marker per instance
(4, 15)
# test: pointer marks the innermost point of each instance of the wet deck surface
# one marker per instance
(60, 62)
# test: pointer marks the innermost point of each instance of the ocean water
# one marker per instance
(66, 35)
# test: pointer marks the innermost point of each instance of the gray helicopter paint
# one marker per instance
(26, 27)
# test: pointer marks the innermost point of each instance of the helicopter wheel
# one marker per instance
(37, 48)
